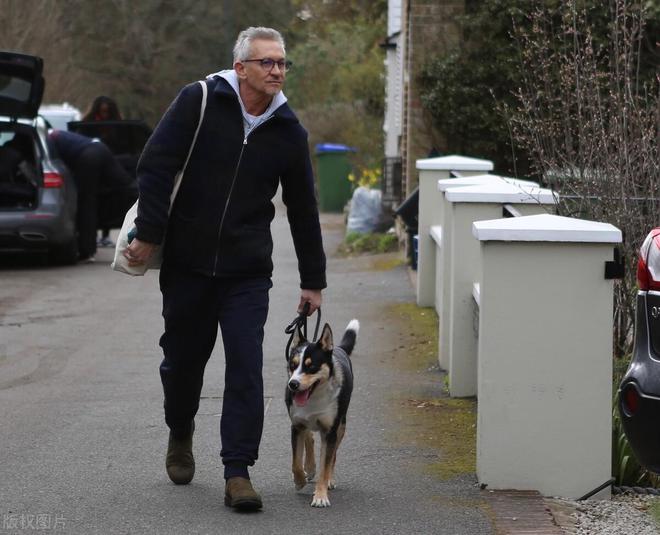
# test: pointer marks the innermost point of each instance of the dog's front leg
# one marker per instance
(297, 447)
(328, 448)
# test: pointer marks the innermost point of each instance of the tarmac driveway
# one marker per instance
(83, 437)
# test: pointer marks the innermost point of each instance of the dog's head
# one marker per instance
(309, 364)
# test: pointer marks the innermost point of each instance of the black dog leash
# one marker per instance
(300, 321)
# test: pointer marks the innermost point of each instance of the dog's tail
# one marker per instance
(350, 336)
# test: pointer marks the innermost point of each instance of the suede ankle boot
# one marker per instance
(240, 494)
(180, 463)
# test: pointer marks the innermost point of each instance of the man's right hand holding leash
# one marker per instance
(313, 297)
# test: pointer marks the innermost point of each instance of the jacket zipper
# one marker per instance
(231, 188)
(224, 212)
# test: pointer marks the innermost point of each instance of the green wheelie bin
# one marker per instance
(333, 169)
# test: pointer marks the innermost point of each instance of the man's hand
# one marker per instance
(313, 297)
(139, 252)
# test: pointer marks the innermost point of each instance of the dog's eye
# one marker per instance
(311, 368)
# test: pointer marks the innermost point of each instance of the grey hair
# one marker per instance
(245, 38)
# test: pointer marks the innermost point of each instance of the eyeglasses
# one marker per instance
(268, 64)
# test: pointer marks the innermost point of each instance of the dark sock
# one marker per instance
(236, 470)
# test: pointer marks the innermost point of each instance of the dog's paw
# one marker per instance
(332, 484)
(320, 500)
(299, 480)
(310, 468)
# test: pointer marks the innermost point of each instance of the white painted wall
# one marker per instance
(430, 171)
(545, 367)
(493, 192)
(442, 257)
(545, 354)
(463, 268)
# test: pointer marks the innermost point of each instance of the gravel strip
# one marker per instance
(624, 514)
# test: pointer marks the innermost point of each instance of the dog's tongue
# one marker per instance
(301, 398)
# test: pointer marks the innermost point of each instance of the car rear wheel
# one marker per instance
(65, 254)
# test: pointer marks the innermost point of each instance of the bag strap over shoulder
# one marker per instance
(192, 145)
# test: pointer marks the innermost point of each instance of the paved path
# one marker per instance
(82, 433)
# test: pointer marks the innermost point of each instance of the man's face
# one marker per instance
(260, 80)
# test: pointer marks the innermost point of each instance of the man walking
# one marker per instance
(217, 261)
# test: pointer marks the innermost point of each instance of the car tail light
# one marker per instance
(648, 265)
(53, 180)
(630, 399)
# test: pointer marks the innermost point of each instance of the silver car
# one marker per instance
(37, 193)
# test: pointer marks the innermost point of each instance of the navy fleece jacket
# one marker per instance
(220, 221)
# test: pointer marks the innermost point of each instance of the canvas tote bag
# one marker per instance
(126, 234)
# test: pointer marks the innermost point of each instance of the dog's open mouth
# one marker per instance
(302, 397)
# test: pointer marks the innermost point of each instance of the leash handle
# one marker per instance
(301, 321)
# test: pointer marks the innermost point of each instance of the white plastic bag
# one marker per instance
(120, 263)
(366, 213)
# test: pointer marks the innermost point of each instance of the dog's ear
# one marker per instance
(325, 341)
(298, 337)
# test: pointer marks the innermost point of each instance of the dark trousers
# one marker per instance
(113, 206)
(193, 307)
(99, 177)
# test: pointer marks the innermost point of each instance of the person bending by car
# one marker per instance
(103, 109)
(98, 176)
(217, 257)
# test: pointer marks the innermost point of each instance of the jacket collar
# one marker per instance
(223, 88)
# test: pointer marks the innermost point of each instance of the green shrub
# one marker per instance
(368, 243)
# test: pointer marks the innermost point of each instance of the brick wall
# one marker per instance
(431, 29)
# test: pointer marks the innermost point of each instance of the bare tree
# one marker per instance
(40, 27)
(589, 120)
(141, 53)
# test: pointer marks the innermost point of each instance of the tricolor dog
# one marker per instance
(317, 398)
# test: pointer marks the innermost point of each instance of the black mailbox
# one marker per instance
(408, 211)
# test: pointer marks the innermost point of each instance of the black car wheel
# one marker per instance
(65, 254)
